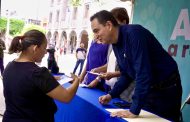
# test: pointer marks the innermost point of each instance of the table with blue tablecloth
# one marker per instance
(85, 107)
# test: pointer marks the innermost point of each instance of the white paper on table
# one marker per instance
(143, 117)
(83, 85)
(64, 79)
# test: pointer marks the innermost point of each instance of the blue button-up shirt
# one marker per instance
(141, 58)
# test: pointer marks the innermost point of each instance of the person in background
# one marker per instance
(65, 50)
(2, 48)
(81, 56)
(97, 57)
(72, 48)
(142, 59)
(113, 72)
(30, 90)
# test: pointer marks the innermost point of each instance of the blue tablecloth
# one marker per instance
(85, 108)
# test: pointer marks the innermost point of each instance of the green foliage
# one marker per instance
(75, 2)
(16, 25)
(3, 23)
(32, 26)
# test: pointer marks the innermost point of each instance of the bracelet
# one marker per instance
(98, 78)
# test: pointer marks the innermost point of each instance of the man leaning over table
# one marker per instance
(140, 58)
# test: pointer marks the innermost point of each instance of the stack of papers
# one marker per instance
(64, 79)
(143, 117)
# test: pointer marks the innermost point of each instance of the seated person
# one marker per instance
(97, 57)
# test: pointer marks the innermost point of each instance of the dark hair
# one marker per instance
(120, 14)
(21, 43)
(104, 16)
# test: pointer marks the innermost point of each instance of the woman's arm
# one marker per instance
(65, 95)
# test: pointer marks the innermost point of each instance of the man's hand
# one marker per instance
(123, 114)
(93, 84)
(105, 99)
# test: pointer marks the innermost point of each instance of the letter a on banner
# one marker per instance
(178, 31)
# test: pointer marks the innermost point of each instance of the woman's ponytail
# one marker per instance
(16, 45)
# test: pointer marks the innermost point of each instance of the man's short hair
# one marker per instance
(104, 16)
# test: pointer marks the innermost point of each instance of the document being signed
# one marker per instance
(64, 79)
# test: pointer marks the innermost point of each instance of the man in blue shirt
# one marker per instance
(141, 58)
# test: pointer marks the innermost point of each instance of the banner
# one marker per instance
(169, 21)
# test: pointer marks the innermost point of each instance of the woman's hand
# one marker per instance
(57, 77)
(95, 70)
(75, 78)
(81, 78)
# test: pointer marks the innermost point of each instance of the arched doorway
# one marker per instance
(73, 41)
(84, 38)
(48, 37)
(54, 39)
(63, 42)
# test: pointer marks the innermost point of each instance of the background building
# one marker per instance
(69, 25)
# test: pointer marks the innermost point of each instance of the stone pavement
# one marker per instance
(66, 65)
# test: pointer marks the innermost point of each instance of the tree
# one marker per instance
(32, 26)
(3, 23)
(75, 2)
(16, 25)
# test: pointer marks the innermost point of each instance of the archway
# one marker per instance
(73, 42)
(48, 37)
(54, 39)
(63, 42)
(84, 38)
